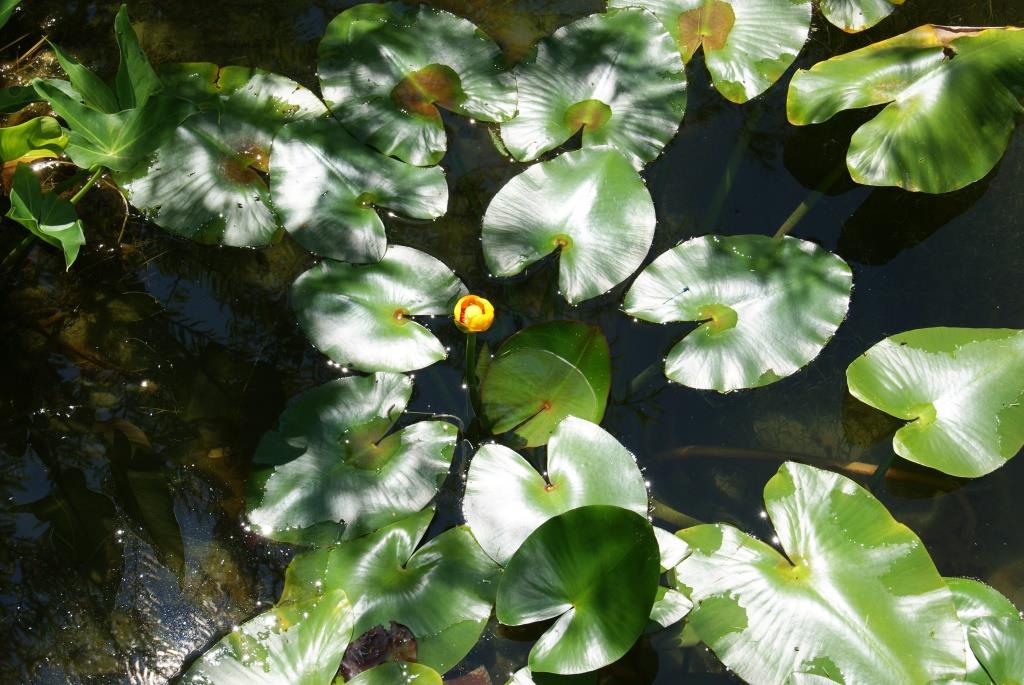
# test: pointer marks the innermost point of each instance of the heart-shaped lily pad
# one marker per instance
(443, 592)
(385, 68)
(748, 44)
(362, 315)
(595, 570)
(333, 471)
(585, 465)
(589, 205)
(326, 186)
(295, 643)
(209, 181)
(395, 672)
(962, 389)
(856, 598)
(47, 216)
(953, 99)
(768, 307)
(977, 602)
(617, 76)
(543, 374)
(857, 15)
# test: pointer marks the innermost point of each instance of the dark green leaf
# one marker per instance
(135, 80)
(49, 217)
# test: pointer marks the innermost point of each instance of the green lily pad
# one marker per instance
(443, 592)
(856, 598)
(395, 672)
(617, 76)
(998, 643)
(47, 216)
(590, 206)
(857, 15)
(595, 570)
(670, 607)
(33, 139)
(585, 465)
(209, 181)
(385, 68)
(748, 44)
(961, 388)
(543, 374)
(524, 677)
(976, 601)
(767, 307)
(361, 315)
(295, 643)
(327, 186)
(953, 99)
(333, 470)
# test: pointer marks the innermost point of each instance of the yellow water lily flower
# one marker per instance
(473, 314)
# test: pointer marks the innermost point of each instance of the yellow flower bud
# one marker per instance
(473, 314)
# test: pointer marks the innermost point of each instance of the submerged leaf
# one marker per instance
(47, 216)
(767, 307)
(962, 389)
(333, 470)
(585, 465)
(595, 570)
(327, 187)
(543, 374)
(443, 592)
(748, 44)
(952, 96)
(590, 206)
(385, 68)
(856, 598)
(617, 76)
(857, 15)
(363, 315)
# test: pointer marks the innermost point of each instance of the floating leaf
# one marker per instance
(384, 69)
(585, 465)
(295, 643)
(670, 607)
(976, 601)
(362, 315)
(524, 677)
(590, 206)
(543, 374)
(857, 15)
(954, 100)
(998, 643)
(33, 139)
(326, 186)
(962, 389)
(443, 593)
(395, 672)
(47, 216)
(208, 182)
(767, 307)
(748, 44)
(617, 76)
(856, 598)
(595, 570)
(333, 470)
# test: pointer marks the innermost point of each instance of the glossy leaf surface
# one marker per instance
(327, 187)
(748, 44)
(589, 205)
(6, 10)
(36, 138)
(850, 600)
(977, 602)
(585, 465)
(47, 216)
(397, 673)
(952, 96)
(767, 307)
(962, 389)
(385, 68)
(595, 570)
(857, 15)
(617, 76)
(543, 374)
(295, 643)
(208, 182)
(334, 469)
(443, 592)
(362, 315)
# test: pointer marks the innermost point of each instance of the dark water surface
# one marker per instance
(135, 387)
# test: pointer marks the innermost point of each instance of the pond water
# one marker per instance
(136, 386)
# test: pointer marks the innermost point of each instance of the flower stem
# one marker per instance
(471, 384)
(808, 202)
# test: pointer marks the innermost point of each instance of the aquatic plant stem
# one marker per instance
(19, 250)
(660, 510)
(471, 385)
(729, 176)
(88, 185)
(808, 202)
